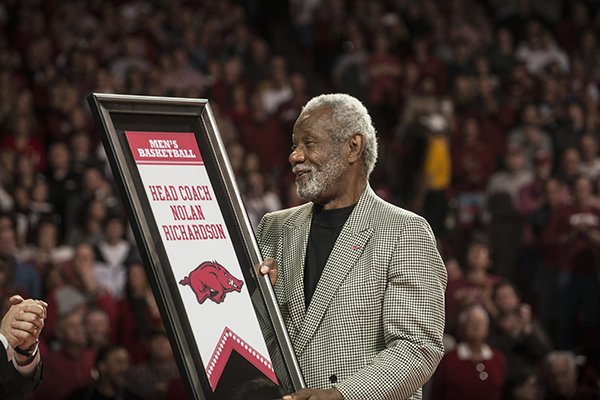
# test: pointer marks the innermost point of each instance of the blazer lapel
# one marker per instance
(344, 256)
(295, 240)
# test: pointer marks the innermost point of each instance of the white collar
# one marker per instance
(464, 352)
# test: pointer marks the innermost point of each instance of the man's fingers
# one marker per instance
(303, 394)
(269, 267)
(29, 317)
(264, 269)
(15, 299)
(26, 327)
(34, 308)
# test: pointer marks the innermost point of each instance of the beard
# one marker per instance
(318, 180)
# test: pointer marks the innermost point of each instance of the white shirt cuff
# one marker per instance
(25, 370)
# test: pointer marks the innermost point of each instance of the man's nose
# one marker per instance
(296, 156)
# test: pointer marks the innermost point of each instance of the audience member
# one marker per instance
(522, 383)
(517, 333)
(150, 380)
(560, 376)
(113, 253)
(138, 314)
(473, 370)
(97, 328)
(111, 365)
(576, 230)
(474, 286)
(69, 367)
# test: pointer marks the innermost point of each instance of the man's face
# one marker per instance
(476, 327)
(317, 159)
(71, 330)
(563, 379)
(97, 327)
(115, 368)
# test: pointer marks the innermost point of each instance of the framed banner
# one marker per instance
(198, 246)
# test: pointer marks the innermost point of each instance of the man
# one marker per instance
(560, 375)
(575, 230)
(150, 380)
(112, 364)
(69, 367)
(359, 281)
(20, 361)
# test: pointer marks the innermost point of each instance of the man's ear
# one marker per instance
(356, 145)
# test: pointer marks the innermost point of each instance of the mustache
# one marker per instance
(302, 168)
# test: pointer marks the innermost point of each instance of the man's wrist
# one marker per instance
(26, 356)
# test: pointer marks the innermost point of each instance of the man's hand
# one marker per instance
(23, 322)
(269, 267)
(315, 394)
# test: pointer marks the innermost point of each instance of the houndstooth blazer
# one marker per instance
(374, 326)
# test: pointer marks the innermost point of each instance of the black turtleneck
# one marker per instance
(325, 228)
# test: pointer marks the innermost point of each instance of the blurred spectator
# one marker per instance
(569, 129)
(113, 253)
(94, 187)
(529, 136)
(550, 279)
(22, 276)
(138, 314)
(535, 200)
(570, 167)
(539, 50)
(89, 227)
(61, 179)
(472, 165)
(69, 367)
(503, 56)
(46, 252)
(560, 376)
(518, 335)
(289, 111)
(476, 284)
(576, 229)
(260, 128)
(384, 75)
(436, 174)
(150, 380)
(473, 370)
(348, 72)
(112, 365)
(277, 90)
(97, 328)
(24, 140)
(590, 159)
(259, 197)
(522, 383)
(505, 224)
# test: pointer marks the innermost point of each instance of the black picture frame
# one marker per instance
(114, 115)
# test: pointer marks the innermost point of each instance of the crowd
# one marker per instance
(488, 120)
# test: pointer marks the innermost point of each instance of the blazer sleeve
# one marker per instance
(413, 320)
(13, 385)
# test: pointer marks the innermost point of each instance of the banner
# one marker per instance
(198, 247)
(200, 252)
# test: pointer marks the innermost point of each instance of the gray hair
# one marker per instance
(465, 313)
(349, 116)
(561, 355)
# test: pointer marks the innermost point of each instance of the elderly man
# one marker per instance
(20, 362)
(359, 281)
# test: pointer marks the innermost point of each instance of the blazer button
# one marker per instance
(333, 378)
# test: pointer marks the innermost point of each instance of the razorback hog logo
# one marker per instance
(210, 280)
